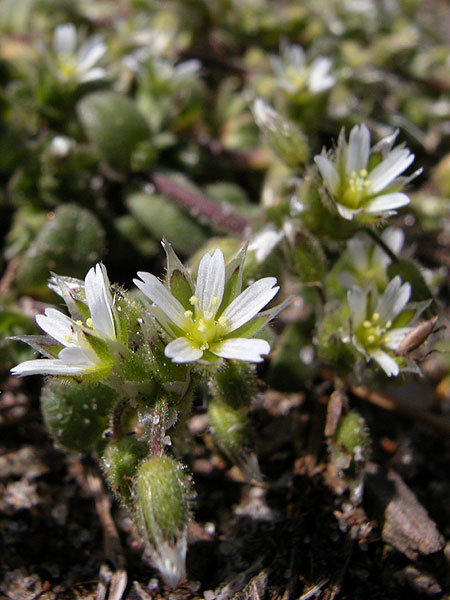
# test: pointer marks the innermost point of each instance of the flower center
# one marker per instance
(68, 67)
(202, 328)
(355, 189)
(371, 332)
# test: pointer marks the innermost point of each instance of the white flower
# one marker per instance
(85, 344)
(264, 242)
(295, 74)
(77, 63)
(212, 319)
(365, 261)
(373, 323)
(365, 185)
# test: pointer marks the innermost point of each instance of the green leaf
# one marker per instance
(114, 124)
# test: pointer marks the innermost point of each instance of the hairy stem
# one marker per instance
(198, 204)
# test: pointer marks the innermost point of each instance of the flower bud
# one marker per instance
(120, 461)
(305, 253)
(234, 437)
(76, 413)
(162, 497)
(350, 450)
(285, 138)
(235, 385)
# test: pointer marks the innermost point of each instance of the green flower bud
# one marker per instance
(233, 434)
(120, 462)
(235, 385)
(285, 138)
(163, 493)
(76, 414)
(350, 450)
(304, 253)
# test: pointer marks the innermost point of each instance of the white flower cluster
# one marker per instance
(202, 321)
(376, 329)
(76, 62)
(294, 73)
(365, 184)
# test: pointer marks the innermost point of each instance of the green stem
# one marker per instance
(381, 243)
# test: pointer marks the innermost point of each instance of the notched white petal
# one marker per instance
(160, 295)
(99, 300)
(250, 302)
(251, 350)
(387, 202)
(328, 172)
(181, 350)
(386, 362)
(57, 325)
(210, 283)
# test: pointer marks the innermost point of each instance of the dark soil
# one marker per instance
(297, 535)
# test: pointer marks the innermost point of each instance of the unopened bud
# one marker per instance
(163, 493)
(233, 435)
(350, 450)
(284, 137)
(304, 253)
(120, 461)
(235, 385)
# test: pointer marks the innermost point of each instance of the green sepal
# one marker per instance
(231, 429)
(120, 461)
(99, 346)
(305, 255)
(180, 288)
(76, 413)
(162, 498)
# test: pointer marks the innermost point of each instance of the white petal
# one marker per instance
(358, 149)
(99, 300)
(57, 325)
(387, 202)
(394, 337)
(210, 283)
(242, 349)
(395, 163)
(181, 351)
(90, 53)
(93, 75)
(65, 38)
(160, 295)
(346, 213)
(394, 238)
(393, 300)
(358, 248)
(328, 172)
(75, 355)
(250, 302)
(319, 77)
(386, 362)
(265, 241)
(357, 300)
(44, 366)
